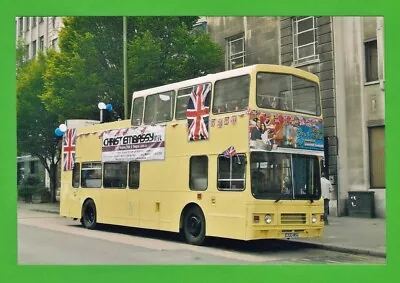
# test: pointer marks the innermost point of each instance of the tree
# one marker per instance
(35, 124)
(89, 68)
(179, 54)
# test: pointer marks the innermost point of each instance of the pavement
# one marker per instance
(343, 234)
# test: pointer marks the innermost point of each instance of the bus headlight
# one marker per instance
(313, 218)
(268, 219)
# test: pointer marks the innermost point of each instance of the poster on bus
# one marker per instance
(293, 133)
(134, 144)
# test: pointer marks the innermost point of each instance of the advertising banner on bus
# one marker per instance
(286, 133)
(134, 144)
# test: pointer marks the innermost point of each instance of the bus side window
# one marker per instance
(137, 111)
(183, 97)
(198, 173)
(91, 173)
(76, 175)
(231, 95)
(115, 175)
(134, 175)
(232, 173)
(159, 107)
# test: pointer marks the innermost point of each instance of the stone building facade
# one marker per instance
(346, 53)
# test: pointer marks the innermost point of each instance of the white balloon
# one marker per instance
(63, 127)
(101, 105)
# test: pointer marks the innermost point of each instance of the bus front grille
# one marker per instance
(293, 218)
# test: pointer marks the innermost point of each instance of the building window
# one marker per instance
(26, 23)
(76, 175)
(34, 22)
(198, 173)
(377, 157)
(115, 175)
(134, 175)
(54, 43)
(236, 52)
(26, 57)
(20, 25)
(200, 26)
(34, 48)
(304, 39)
(371, 61)
(91, 175)
(41, 20)
(232, 173)
(41, 43)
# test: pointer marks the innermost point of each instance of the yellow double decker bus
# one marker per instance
(234, 155)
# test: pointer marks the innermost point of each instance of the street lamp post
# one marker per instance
(125, 72)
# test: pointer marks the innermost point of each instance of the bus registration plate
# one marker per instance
(291, 235)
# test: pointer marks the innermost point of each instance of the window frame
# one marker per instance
(230, 174)
(190, 172)
(76, 165)
(294, 189)
(296, 33)
(238, 55)
(101, 170)
(104, 175)
(173, 98)
(27, 23)
(34, 48)
(41, 43)
(190, 87)
(129, 175)
(143, 108)
(20, 25)
(317, 100)
(214, 112)
(367, 55)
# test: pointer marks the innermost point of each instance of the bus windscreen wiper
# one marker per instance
(280, 197)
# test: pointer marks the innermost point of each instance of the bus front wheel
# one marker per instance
(194, 226)
(89, 215)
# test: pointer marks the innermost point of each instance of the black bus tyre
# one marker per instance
(89, 215)
(194, 226)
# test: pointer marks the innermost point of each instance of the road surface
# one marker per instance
(45, 238)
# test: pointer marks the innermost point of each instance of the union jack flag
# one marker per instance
(69, 143)
(230, 152)
(198, 112)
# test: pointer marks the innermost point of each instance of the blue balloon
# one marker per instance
(58, 132)
(109, 107)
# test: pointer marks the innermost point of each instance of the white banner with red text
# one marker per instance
(134, 144)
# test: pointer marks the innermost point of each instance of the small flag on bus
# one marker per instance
(229, 152)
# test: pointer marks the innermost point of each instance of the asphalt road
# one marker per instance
(45, 238)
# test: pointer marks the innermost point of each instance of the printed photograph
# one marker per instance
(165, 140)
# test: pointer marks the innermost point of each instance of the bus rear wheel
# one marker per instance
(89, 220)
(194, 226)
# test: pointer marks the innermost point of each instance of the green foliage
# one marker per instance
(179, 55)
(35, 124)
(89, 68)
